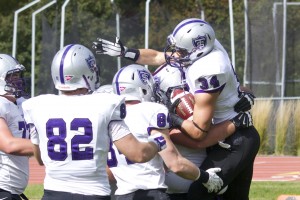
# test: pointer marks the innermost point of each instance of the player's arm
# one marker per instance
(186, 169)
(203, 112)
(12, 145)
(140, 56)
(151, 57)
(175, 162)
(136, 151)
(37, 155)
(110, 175)
(216, 133)
(35, 141)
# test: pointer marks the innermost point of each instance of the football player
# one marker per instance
(15, 146)
(170, 79)
(213, 81)
(71, 132)
(146, 180)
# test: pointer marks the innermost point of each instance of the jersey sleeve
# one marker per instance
(119, 110)
(210, 83)
(159, 118)
(26, 107)
(118, 129)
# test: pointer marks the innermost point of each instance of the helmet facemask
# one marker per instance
(179, 56)
(15, 82)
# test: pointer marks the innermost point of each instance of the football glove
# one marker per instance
(214, 183)
(161, 97)
(102, 46)
(159, 140)
(242, 120)
(175, 120)
(245, 103)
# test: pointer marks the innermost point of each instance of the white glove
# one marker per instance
(214, 183)
(159, 140)
(102, 46)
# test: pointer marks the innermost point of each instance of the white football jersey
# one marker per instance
(212, 73)
(73, 133)
(140, 118)
(14, 170)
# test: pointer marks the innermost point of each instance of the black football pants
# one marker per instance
(236, 164)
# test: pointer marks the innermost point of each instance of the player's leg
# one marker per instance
(178, 196)
(239, 188)
(5, 195)
(244, 147)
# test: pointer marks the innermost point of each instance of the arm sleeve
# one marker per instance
(118, 129)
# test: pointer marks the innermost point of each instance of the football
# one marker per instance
(186, 105)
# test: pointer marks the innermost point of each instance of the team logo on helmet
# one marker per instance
(68, 77)
(91, 63)
(144, 76)
(199, 42)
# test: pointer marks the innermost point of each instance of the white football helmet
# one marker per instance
(192, 39)
(73, 67)
(11, 76)
(135, 82)
(167, 77)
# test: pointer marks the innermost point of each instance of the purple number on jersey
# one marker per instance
(112, 158)
(161, 120)
(122, 111)
(87, 154)
(59, 139)
(205, 84)
(214, 81)
(24, 127)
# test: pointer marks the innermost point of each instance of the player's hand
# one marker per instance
(245, 103)
(242, 120)
(214, 183)
(165, 99)
(159, 140)
(172, 106)
(102, 46)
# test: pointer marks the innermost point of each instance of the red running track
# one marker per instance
(266, 168)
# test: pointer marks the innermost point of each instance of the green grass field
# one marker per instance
(259, 190)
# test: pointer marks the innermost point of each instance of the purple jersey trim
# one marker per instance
(188, 22)
(61, 66)
(219, 89)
